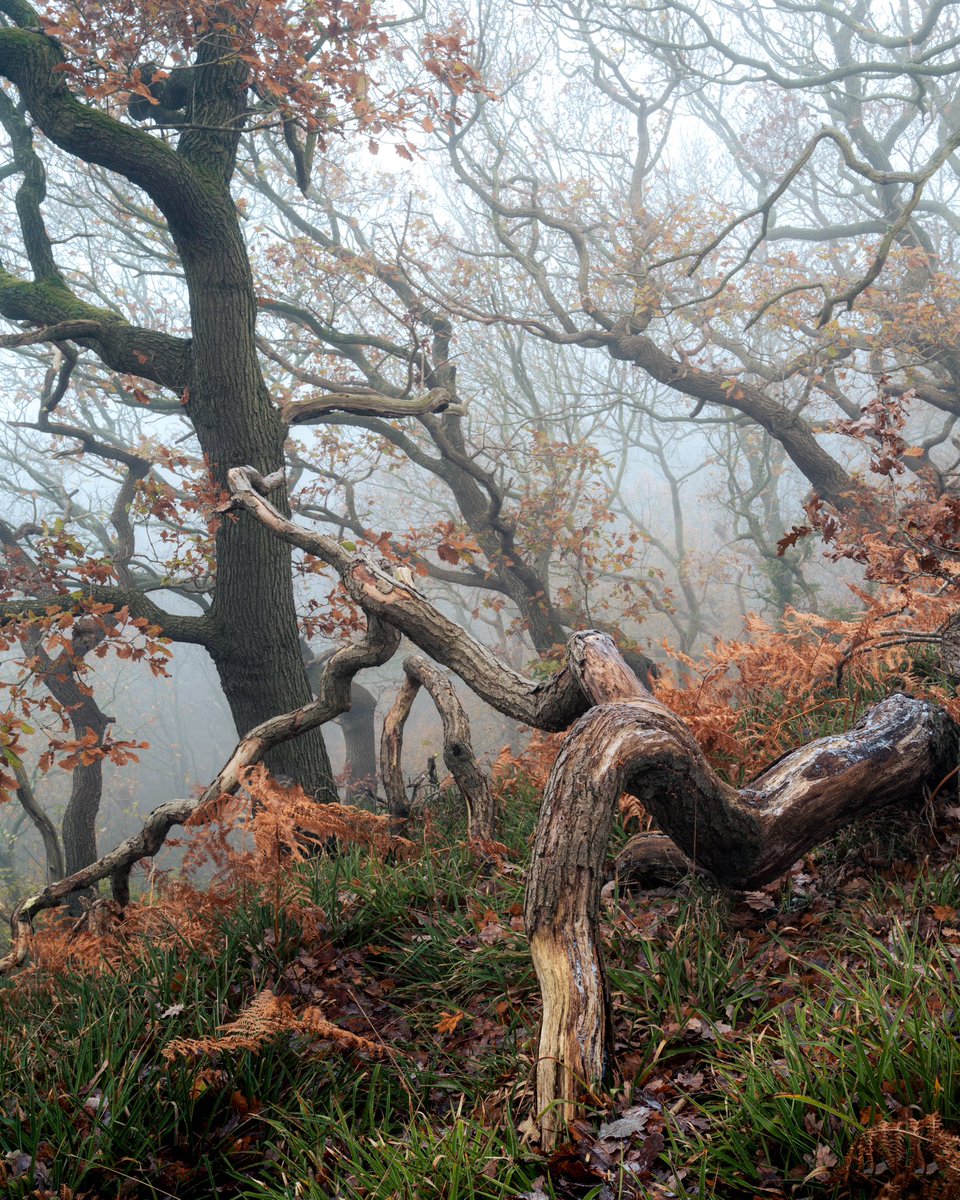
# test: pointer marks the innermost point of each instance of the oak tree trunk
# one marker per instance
(250, 630)
(253, 637)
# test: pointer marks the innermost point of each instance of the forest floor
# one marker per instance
(784, 1043)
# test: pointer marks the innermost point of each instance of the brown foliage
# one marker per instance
(253, 839)
(749, 701)
(913, 1157)
(268, 1017)
(278, 825)
(531, 765)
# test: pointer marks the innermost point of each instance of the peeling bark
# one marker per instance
(391, 750)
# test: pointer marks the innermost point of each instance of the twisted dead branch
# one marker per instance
(458, 752)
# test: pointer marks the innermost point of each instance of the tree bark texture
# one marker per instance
(391, 749)
(253, 638)
(626, 740)
(250, 630)
(623, 739)
(743, 838)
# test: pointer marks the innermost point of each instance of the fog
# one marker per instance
(657, 275)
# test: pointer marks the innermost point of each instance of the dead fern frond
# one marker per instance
(285, 820)
(531, 765)
(750, 700)
(313, 1022)
(909, 1158)
(266, 1018)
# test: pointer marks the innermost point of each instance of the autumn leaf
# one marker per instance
(791, 538)
(449, 1022)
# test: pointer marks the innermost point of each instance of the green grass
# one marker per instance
(757, 1040)
(879, 1038)
(87, 1097)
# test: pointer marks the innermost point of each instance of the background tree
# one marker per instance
(784, 297)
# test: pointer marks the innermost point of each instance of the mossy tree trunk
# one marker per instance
(250, 629)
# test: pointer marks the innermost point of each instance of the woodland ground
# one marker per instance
(762, 1040)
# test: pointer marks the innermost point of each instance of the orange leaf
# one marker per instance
(449, 1022)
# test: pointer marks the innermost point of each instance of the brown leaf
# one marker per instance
(449, 1022)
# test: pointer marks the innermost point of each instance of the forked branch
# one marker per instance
(458, 753)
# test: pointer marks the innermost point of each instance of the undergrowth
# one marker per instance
(362, 1023)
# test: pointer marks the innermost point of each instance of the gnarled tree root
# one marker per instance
(743, 838)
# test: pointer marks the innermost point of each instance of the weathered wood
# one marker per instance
(458, 753)
(652, 860)
(551, 705)
(367, 403)
(391, 749)
(627, 741)
(744, 838)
